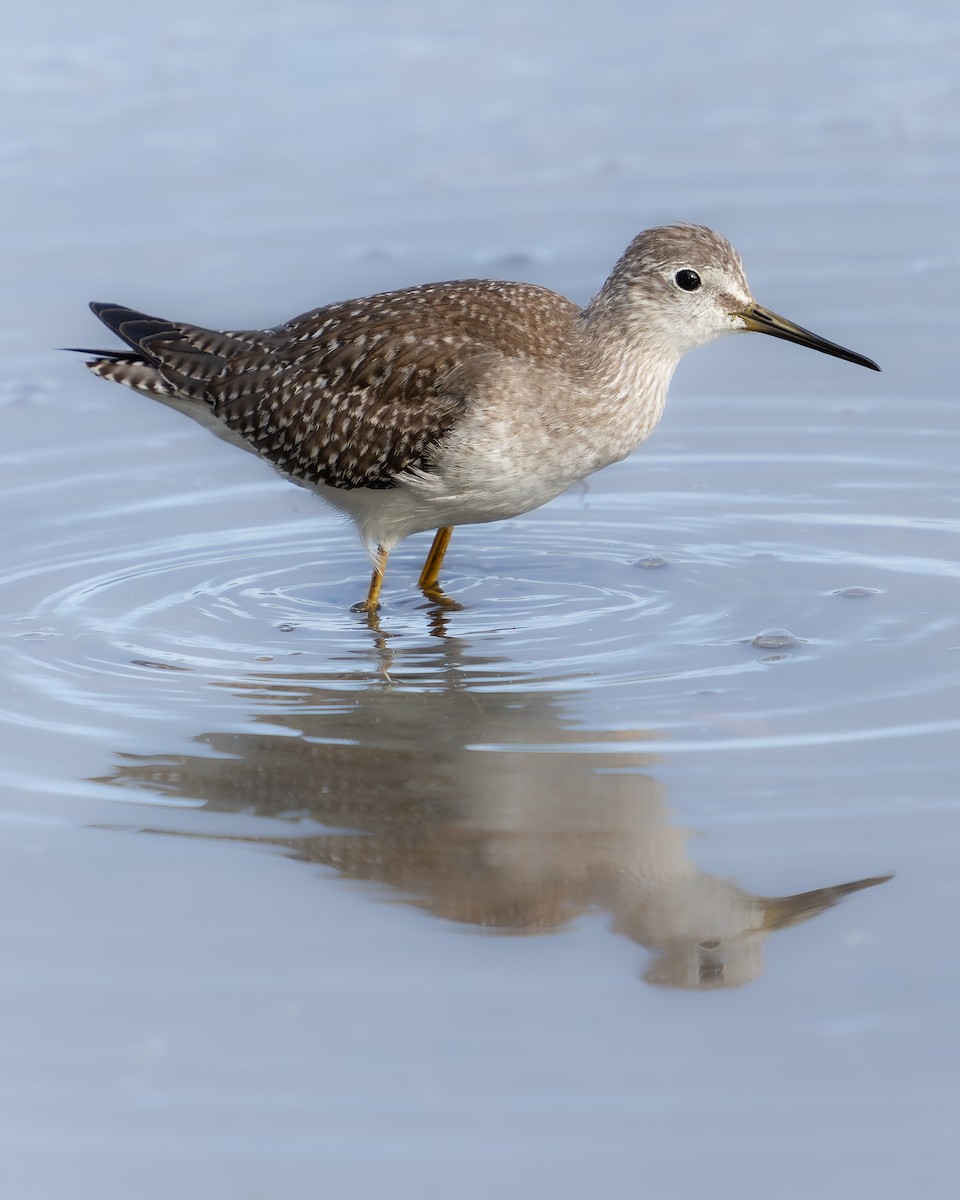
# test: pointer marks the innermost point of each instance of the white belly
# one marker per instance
(422, 502)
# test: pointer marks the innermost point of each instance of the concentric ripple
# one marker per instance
(653, 594)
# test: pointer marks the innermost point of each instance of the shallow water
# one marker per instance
(248, 841)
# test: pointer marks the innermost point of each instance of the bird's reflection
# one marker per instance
(465, 796)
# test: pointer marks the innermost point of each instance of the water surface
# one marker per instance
(636, 869)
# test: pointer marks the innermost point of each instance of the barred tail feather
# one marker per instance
(174, 362)
(166, 358)
(133, 372)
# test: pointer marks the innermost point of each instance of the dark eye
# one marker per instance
(687, 279)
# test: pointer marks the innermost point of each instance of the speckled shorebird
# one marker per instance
(453, 403)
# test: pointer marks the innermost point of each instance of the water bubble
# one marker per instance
(854, 593)
(774, 639)
(651, 562)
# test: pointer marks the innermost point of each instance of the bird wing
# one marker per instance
(350, 395)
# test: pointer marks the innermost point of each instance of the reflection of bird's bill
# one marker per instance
(762, 320)
(791, 910)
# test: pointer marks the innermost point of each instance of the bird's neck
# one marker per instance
(631, 372)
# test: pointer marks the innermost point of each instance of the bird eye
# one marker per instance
(686, 279)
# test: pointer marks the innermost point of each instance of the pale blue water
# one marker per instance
(286, 992)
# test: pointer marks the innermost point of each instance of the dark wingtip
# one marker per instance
(132, 326)
(98, 307)
(110, 355)
(111, 314)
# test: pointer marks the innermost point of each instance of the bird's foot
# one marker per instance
(436, 595)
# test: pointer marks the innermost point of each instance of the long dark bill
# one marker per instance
(762, 320)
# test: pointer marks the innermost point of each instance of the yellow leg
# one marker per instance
(372, 602)
(431, 568)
